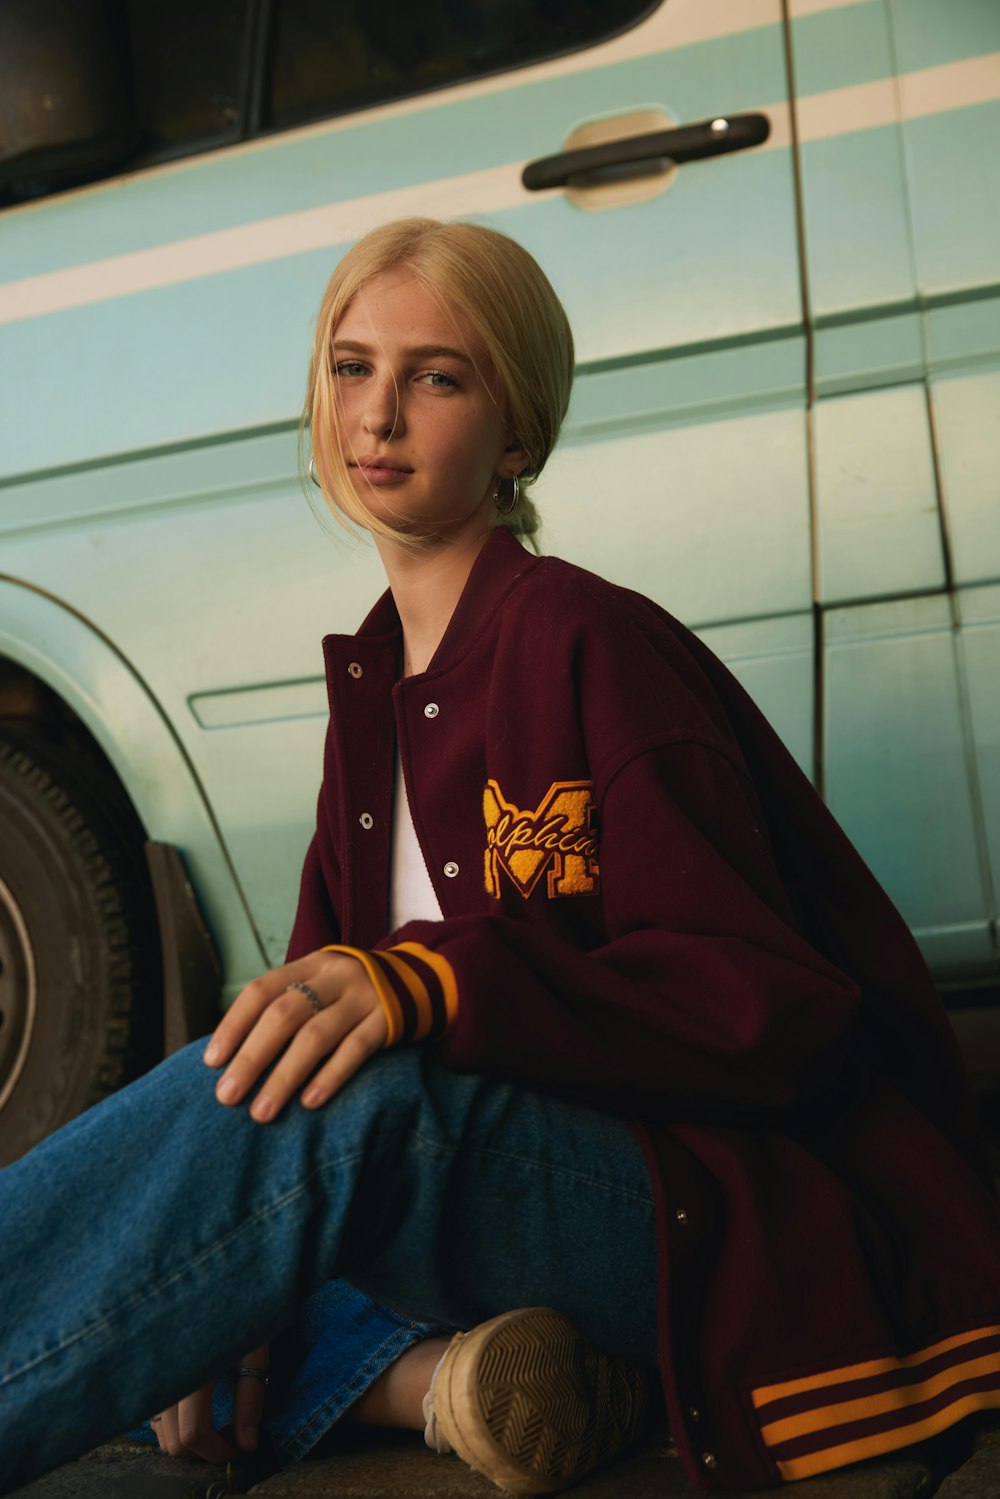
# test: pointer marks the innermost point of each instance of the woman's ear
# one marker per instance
(514, 461)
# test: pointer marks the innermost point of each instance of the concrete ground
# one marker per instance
(369, 1466)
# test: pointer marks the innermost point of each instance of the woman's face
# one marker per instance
(423, 437)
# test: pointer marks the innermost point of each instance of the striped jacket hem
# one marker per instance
(865, 1410)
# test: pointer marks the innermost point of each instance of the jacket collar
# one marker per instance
(500, 563)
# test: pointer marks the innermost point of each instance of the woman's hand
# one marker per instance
(185, 1429)
(269, 1021)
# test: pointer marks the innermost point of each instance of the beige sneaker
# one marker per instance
(526, 1400)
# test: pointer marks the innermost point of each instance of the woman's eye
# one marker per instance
(439, 380)
(349, 367)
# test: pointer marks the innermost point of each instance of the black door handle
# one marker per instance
(687, 143)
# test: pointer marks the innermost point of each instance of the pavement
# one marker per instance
(369, 1465)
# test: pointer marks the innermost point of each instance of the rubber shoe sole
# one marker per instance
(528, 1402)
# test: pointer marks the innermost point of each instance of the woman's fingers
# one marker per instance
(185, 1429)
(358, 1045)
(280, 1026)
(321, 1035)
(331, 972)
(250, 1004)
(248, 1399)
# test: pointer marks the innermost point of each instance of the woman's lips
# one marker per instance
(381, 473)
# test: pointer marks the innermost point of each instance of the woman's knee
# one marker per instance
(387, 1092)
(400, 1098)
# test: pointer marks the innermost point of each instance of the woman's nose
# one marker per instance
(383, 416)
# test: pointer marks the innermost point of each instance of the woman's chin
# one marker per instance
(432, 524)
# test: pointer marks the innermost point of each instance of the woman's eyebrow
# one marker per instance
(422, 351)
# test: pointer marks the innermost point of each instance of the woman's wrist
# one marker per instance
(416, 987)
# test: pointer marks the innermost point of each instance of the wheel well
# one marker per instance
(187, 997)
(29, 706)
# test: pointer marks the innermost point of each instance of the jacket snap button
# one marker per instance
(694, 1413)
(366, 820)
(708, 1459)
(432, 710)
(355, 669)
(451, 869)
(680, 1215)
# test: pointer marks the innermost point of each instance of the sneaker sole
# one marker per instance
(528, 1402)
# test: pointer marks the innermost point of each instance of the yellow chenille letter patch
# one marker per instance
(557, 839)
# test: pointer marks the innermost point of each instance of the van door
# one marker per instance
(898, 110)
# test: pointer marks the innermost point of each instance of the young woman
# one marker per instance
(598, 1047)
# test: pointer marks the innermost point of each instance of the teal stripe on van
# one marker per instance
(930, 32)
(836, 48)
(687, 385)
(240, 362)
(858, 353)
(861, 43)
(310, 168)
(955, 196)
(856, 215)
(965, 332)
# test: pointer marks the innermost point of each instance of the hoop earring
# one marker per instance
(507, 507)
(312, 473)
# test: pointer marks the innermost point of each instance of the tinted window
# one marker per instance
(188, 72)
(329, 56)
(189, 75)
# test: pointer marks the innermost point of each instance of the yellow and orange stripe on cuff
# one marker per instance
(864, 1410)
(416, 988)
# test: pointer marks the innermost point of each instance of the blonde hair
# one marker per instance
(503, 293)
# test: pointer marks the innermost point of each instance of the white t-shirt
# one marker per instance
(411, 894)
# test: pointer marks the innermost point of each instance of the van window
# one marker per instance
(194, 75)
(327, 59)
(188, 66)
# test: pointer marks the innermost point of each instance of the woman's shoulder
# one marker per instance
(572, 595)
(565, 604)
(633, 664)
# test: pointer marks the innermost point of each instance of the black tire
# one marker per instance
(80, 987)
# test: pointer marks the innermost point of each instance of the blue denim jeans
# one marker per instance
(154, 1240)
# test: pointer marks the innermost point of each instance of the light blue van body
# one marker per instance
(785, 429)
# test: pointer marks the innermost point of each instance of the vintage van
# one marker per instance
(779, 253)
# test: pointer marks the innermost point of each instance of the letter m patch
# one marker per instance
(557, 838)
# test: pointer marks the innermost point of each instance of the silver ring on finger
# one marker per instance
(251, 1371)
(310, 994)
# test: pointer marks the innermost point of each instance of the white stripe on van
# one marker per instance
(254, 244)
(932, 91)
(836, 112)
(799, 8)
(842, 111)
(929, 91)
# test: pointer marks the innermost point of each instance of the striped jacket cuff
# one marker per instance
(416, 988)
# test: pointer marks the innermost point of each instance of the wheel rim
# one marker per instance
(18, 992)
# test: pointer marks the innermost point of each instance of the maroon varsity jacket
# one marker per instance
(647, 908)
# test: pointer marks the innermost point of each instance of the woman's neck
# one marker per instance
(426, 586)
